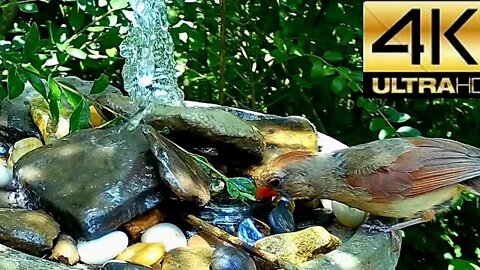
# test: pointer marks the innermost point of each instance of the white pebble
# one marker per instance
(167, 233)
(105, 248)
(6, 176)
(348, 216)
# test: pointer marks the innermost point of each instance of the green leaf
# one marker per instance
(32, 41)
(241, 187)
(118, 4)
(387, 132)
(279, 55)
(460, 264)
(339, 84)
(399, 117)
(181, 3)
(72, 98)
(3, 92)
(15, 83)
(377, 123)
(80, 117)
(55, 93)
(319, 69)
(76, 18)
(332, 56)
(302, 82)
(100, 84)
(367, 104)
(232, 190)
(407, 131)
(37, 84)
(28, 7)
(55, 107)
(77, 53)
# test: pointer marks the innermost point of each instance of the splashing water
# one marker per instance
(149, 72)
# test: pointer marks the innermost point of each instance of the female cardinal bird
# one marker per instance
(411, 178)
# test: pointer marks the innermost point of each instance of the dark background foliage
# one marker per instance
(284, 57)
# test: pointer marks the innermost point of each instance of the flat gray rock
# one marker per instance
(92, 181)
(32, 232)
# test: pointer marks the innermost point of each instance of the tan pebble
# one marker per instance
(141, 223)
(143, 253)
(22, 147)
(197, 241)
(301, 246)
(65, 250)
(186, 258)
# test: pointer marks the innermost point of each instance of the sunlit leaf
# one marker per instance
(28, 7)
(387, 132)
(77, 53)
(55, 92)
(72, 98)
(407, 131)
(118, 4)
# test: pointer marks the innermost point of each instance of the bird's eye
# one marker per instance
(276, 180)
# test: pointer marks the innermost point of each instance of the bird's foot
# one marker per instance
(377, 226)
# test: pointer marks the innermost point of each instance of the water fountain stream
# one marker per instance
(149, 72)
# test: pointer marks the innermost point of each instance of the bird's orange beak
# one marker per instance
(265, 193)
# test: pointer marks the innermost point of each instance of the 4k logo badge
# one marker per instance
(421, 48)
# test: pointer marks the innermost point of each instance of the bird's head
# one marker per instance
(286, 174)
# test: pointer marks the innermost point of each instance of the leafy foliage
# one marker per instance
(282, 57)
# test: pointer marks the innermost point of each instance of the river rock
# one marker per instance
(183, 175)
(3, 150)
(166, 233)
(299, 247)
(105, 248)
(92, 181)
(65, 250)
(15, 120)
(197, 241)
(185, 258)
(146, 254)
(123, 265)
(6, 174)
(196, 127)
(230, 258)
(23, 146)
(348, 216)
(140, 224)
(251, 230)
(32, 232)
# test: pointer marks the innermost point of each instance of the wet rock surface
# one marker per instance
(29, 231)
(301, 246)
(15, 120)
(230, 258)
(186, 258)
(177, 169)
(210, 127)
(92, 181)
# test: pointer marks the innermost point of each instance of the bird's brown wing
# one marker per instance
(427, 165)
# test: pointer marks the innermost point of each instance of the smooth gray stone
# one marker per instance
(92, 181)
